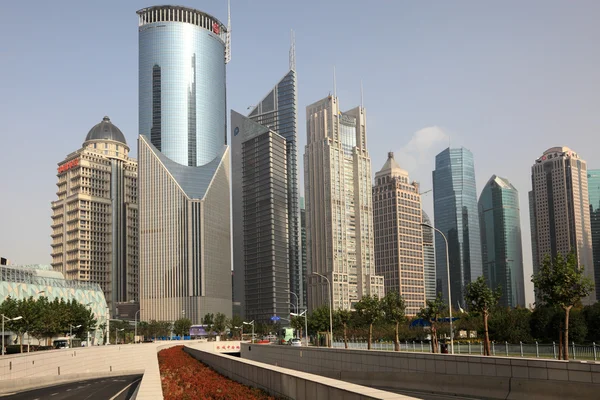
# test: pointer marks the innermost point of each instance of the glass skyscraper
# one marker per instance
(455, 214)
(502, 249)
(185, 255)
(594, 195)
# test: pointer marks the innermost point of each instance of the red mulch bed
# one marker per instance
(185, 378)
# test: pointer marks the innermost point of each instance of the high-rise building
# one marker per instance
(185, 254)
(277, 112)
(303, 246)
(339, 224)
(398, 234)
(593, 176)
(561, 211)
(95, 219)
(260, 220)
(428, 258)
(455, 214)
(501, 245)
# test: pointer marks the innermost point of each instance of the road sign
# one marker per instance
(275, 318)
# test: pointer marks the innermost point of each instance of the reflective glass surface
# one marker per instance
(594, 195)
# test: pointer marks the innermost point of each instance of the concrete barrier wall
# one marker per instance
(477, 376)
(286, 383)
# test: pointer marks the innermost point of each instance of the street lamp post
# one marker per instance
(330, 310)
(135, 318)
(449, 291)
(5, 318)
(250, 323)
(305, 325)
(241, 333)
(71, 334)
(117, 334)
(297, 301)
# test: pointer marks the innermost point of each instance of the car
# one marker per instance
(295, 342)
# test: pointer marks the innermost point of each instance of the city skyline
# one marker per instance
(490, 92)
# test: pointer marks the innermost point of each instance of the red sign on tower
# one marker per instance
(216, 28)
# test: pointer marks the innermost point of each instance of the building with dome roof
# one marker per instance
(397, 217)
(95, 218)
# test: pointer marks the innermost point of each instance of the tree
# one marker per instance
(480, 298)
(510, 325)
(182, 326)
(369, 307)
(297, 324)
(220, 323)
(393, 308)
(432, 313)
(318, 321)
(235, 326)
(341, 318)
(208, 321)
(561, 283)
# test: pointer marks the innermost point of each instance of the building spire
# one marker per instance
(334, 87)
(292, 50)
(228, 38)
(362, 104)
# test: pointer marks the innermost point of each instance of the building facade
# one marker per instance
(455, 214)
(593, 176)
(398, 235)
(278, 111)
(428, 258)
(339, 224)
(185, 262)
(303, 246)
(260, 220)
(95, 218)
(501, 245)
(561, 211)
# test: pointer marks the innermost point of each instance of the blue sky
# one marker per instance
(507, 80)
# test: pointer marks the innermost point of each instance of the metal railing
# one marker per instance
(528, 350)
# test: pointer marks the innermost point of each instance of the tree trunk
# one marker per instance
(487, 335)
(566, 346)
(21, 341)
(370, 336)
(560, 342)
(345, 337)
(396, 342)
(434, 341)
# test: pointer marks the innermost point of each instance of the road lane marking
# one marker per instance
(125, 388)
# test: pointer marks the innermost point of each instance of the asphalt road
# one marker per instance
(113, 388)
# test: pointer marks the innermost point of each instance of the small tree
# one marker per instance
(432, 314)
(220, 323)
(208, 321)
(342, 318)
(318, 321)
(480, 298)
(297, 324)
(182, 326)
(235, 326)
(561, 283)
(369, 307)
(393, 307)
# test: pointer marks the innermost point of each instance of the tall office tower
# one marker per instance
(260, 220)
(561, 211)
(339, 211)
(501, 246)
(428, 258)
(95, 219)
(278, 112)
(455, 214)
(303, 246)
(398, 234)
(593, 176)
(185, 254)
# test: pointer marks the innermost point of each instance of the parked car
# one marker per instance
(295, 342)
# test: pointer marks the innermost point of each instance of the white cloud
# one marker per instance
(418, 155)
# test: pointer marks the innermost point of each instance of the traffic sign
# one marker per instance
(275, 318)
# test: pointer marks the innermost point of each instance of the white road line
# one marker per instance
(125, 388)
(53, 394)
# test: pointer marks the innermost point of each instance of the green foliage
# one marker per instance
(592, 321)
(432, 312)
(220, 323)
(182, 326)
(393, 307)
(480, 298)
(235, 325)
(511, 325)
(371, 310)
(318, 320)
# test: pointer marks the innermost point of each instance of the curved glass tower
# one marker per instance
(185, 255)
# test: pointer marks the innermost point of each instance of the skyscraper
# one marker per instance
(428, 259)
(398, 234)
(561, 211)
(455, 214)
(339, 224)
(303, 246)
(278, 112)
(260, 220)
(501, 246)
(95, 219)
(185, 255)
(593, 176)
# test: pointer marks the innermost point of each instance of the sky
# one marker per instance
(507, 80)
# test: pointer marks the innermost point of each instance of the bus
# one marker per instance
(285, 334)
(63, 342)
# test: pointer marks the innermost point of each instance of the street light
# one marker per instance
(330, 310)
(242, 331)
(250, 323)
(5, 318)
(289, 291)
(449, 291)
(117, 335)
(71, 334)
(305, 325)
(135, 318)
